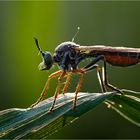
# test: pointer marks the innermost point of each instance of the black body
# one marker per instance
(66, 56)
(69, 54)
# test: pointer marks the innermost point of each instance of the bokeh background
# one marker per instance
(108, 23)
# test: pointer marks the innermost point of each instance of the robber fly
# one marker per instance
(69, 54)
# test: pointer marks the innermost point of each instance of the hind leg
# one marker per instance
(107, 84)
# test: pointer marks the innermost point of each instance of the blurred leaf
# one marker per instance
(131, 92)
(127, 105)
(39, 123)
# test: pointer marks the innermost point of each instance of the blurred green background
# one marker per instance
(107, 23)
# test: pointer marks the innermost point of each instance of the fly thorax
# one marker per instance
(65, 54)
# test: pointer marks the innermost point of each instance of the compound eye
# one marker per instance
(47, 62)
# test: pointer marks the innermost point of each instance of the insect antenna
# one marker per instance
(36, 42)
(78, 28)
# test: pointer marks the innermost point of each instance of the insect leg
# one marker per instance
(99, 75)
(92, 65)
(106, 80)
(67, 82)
(53, 75)
(98, 58)
(57, 88)
(78, 87)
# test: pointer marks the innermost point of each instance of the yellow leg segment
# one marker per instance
(78, 89)
(100, 79)
(53, 75)
(67, 82)
(57, 89)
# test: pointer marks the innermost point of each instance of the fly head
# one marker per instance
(47, 60)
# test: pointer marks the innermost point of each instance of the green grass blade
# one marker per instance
(127, 106)
(39, 123)
(131, 92)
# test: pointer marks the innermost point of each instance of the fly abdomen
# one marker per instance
(122, 58)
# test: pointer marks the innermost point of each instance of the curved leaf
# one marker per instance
(39, 123)
(127, 106)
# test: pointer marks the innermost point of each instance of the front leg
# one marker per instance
(57, 88)
(53, 75)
